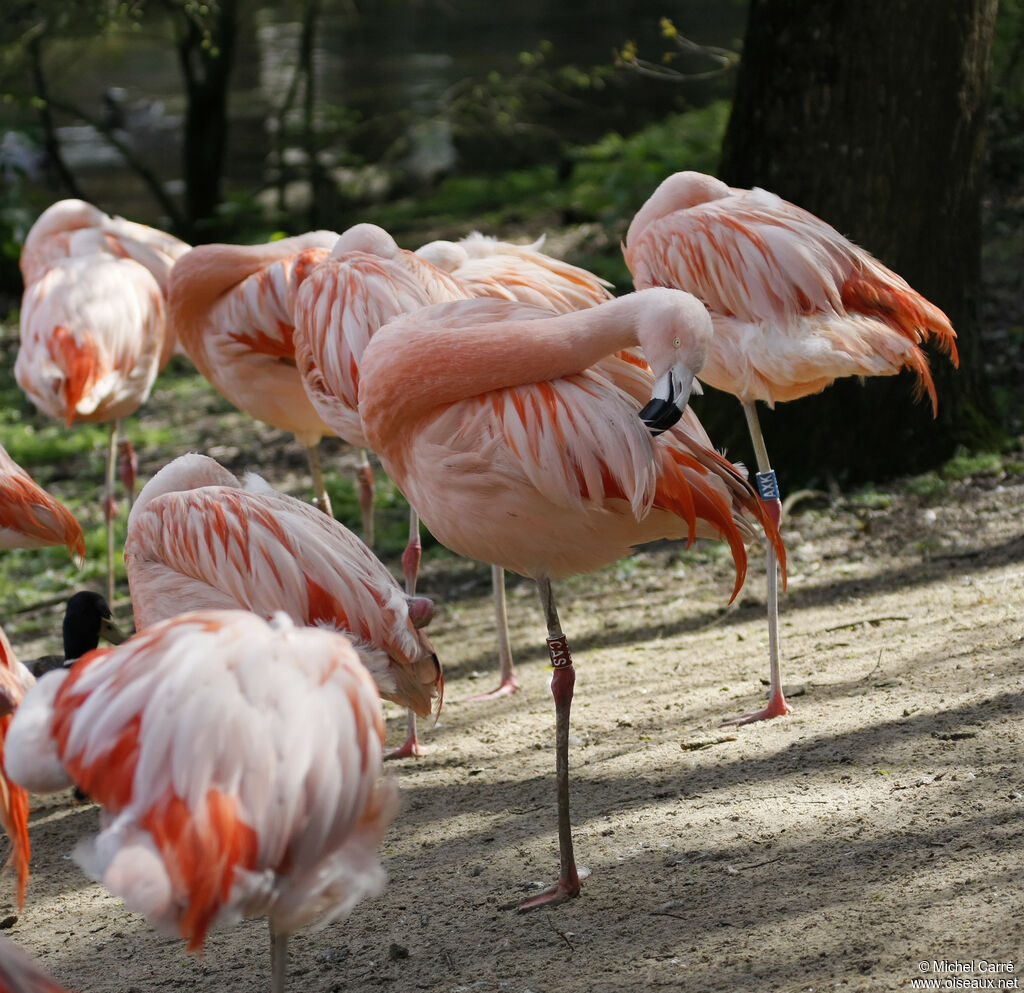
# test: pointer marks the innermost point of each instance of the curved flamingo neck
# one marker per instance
(416, 366)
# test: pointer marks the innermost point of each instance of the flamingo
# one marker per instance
(366, 281)
(794, 304)
(231, 309)
(200, 539)
(20, 974)
(93, 330)
(507, 429)
(30, 517)
(488, 267)
(238, 763)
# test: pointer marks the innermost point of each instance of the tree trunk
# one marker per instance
(871, 115)
(206, 69)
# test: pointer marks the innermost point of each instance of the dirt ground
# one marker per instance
(856, 844)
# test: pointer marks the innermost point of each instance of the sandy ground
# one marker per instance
(857, 844)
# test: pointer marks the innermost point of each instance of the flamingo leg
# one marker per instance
(411, 747)
(412, 554)
(509, 681)
(562, 682)
(278, 961)
(110, 506)
(364, 476)
(322, 500)
(128, 466)
(776, 706)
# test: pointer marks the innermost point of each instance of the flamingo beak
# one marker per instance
(669, 397)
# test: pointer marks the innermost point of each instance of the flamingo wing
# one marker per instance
(231, 308)
(523, 272)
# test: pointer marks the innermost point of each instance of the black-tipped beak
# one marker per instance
(669, 398)
(660, 415)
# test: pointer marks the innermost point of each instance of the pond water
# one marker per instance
(389, 68)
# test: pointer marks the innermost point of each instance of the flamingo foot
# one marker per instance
(506, 687)
(411, 748)
(567, 888)
(776, 707)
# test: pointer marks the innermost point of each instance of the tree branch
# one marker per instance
(148, 177)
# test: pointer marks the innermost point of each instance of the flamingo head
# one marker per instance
(675, 336)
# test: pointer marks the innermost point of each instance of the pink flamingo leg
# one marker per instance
(509, 681)
(364, 474)
(278, 961)
(562, 683)
(322, 500)
(412, 554)
(411, 747)
(776, 706)
(110, 507)
(128, 466)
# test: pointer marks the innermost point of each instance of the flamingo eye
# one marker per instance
(676, 342)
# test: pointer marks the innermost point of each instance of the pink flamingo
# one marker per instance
(794, 304)
(30, 517)
(238, 762)
(365, 282)
(516, 436)
(93, 330)
(489, 267)
(231, 309)
(200, 539)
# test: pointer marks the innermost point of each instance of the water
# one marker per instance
(394, 68)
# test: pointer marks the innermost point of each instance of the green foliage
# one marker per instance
(870, 498)
(927, 486)
(610, 180)
(624, 170)
(962, 466)
(970, 465)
